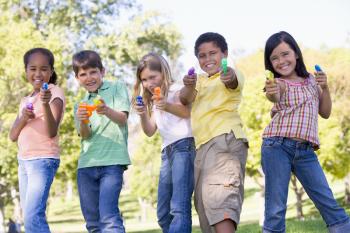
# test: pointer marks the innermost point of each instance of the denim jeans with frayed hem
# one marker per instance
(282, 156)
(176, 183)
(99, 189)
(35, 179)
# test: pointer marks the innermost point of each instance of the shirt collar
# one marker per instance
(105, 85)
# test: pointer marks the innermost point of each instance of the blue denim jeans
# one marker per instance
(282, 156)
(176, 183)
(35, 179)
(99, 189)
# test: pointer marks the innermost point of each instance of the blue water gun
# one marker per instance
(318, 68)
(45, 86)
(139, 101)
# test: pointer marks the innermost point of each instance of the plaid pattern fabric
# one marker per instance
(296, 115)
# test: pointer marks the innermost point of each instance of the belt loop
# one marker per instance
(280, 140)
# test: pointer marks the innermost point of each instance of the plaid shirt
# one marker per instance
(296, 115)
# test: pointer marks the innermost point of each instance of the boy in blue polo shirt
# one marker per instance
(104, 155)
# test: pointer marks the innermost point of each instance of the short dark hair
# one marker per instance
(214, 37)
(50, 58)
(277, 39)
(86, 59)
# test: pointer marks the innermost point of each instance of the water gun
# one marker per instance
(45, 86)
(191, 71)
(139, 101)
(224, 65)
(30, 106)
(318, 68)
(157, 92)
(89, 108)
(269, 75)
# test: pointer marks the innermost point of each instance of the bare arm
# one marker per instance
(19, 124)
(274, 90)
(230, 79)
(84, 128)
(325, 105)
(188, 92)
(148, 123)
(52, 115)
(118, 117)
(176, 108)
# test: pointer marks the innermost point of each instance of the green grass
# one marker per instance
(65, 216)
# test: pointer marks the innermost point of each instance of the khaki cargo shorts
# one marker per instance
(219, 180)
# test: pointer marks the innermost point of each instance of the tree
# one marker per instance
(145, 171)
(63, 28)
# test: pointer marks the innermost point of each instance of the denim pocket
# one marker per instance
(268, 142)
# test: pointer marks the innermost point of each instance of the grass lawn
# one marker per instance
(66, 217)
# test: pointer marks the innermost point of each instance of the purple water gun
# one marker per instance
(139, 101)
(191, 71)
(30, 106)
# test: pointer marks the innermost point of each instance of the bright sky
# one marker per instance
(246, 24)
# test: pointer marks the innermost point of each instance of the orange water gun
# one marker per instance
(157, 92)
(89, 108)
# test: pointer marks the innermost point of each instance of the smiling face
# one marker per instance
(151, 79)
(283, 60)
(90, 78)
(209, 57)
(38, 70)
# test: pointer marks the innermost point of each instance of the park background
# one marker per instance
(122, 31)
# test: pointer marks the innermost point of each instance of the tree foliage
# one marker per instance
(65, 27)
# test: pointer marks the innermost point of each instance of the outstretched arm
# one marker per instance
(148, 123)
(325, 106)
(176, 108)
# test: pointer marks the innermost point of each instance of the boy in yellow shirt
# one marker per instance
(220, 141)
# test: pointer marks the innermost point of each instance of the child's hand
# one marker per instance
(271, 87)
(82, 114)
(227, 79)
(140, 109)
(159, 102)
(102, 108)
(45, 96)
(321, 79)
(190, 80)
(27, 114)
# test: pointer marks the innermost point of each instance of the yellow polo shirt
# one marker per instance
(215, 109)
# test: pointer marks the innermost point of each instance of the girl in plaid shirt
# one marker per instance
(291, 137)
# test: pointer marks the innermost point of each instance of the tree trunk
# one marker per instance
(347, 189)
(299, 195)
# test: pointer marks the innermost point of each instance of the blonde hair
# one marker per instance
(154, 62)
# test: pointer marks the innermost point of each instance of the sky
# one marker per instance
(247, 24)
